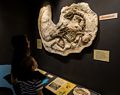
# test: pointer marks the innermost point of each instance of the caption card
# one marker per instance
(39, 44)
(101, 55)
(108, 16)
(50, 76)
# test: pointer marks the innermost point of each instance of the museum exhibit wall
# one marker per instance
(81, 68)
(20, 17)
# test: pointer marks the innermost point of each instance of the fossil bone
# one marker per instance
(76, 29)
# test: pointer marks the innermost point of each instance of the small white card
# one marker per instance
(108, 16)
(39, 44)
(42, 71)
(101, 55)
(50, 76)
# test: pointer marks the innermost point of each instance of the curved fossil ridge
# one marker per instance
(76, 29)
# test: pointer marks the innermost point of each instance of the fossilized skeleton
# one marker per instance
(76, 29)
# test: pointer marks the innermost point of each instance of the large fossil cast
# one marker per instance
(76, 29)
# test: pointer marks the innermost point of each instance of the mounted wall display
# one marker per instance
(76, 29)
(102, 55)
(108, 16)
(39, 44)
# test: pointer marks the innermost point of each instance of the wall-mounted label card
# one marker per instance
(101, 55)
(108, 16)
(39, 44)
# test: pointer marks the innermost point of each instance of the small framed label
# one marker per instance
(101, 55)
(39, 44)
(108, 16)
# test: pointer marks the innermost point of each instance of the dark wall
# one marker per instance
(80, 68)
(16, 17)
(20, 16)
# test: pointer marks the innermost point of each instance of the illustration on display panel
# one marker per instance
(76, 29)
(60, 86)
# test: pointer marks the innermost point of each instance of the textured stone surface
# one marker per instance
(81, 91)
(76, 29)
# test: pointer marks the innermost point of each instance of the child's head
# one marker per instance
(29, 64)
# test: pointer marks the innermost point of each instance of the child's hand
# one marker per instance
(45, 81)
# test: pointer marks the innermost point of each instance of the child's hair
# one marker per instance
(27, 63)
(26, 71)
(26, 68)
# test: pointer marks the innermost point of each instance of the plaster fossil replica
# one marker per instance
(76, 29)
(81, 91)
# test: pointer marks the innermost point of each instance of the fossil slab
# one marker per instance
(76, 29)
